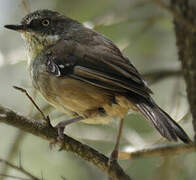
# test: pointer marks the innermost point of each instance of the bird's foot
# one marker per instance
(60, 138)
(60, 128)
(113, 157)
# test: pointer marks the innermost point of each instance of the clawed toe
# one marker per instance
(113, 157)
(60, 128)
(60, 137)
(60, 133)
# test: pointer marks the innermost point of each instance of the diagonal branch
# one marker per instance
(13, 177)
(154, 77)
(21, 169)
(47, 132)
(158, 151)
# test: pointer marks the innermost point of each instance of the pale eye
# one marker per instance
(45, 22)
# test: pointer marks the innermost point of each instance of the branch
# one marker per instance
(21, 169)
(12, 152)
(17, 141)
(26, 6)
(13, 177)
(158, 151)
(47, 132)
(153, 77)
(19, 138)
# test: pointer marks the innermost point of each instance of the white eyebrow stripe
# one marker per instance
(28, 20)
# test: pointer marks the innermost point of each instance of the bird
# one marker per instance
(85, 75)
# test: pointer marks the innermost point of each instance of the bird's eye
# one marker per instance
(45, 22)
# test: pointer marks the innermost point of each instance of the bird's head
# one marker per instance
(43, 28)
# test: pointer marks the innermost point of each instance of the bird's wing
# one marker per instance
(100, 65)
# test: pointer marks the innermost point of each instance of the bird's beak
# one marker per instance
(20, 28)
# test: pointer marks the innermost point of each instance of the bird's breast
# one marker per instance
(75, 97)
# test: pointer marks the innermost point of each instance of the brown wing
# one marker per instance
(98, 62)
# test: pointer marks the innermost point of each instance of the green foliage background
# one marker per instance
(144, 32)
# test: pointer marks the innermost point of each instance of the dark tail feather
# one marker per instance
(166, 126)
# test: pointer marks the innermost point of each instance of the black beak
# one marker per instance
(20, 28)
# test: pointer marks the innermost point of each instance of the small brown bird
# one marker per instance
(85, 75)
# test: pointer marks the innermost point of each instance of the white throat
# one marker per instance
(35, 44)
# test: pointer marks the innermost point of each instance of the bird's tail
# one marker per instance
(166, 126)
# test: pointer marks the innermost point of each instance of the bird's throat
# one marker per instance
(36, 44)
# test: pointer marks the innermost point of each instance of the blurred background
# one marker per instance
(144, 32)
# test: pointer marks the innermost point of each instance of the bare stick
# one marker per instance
(114, 155)
(31, 99)
(158, 151)
(154, 77)
(22, 170)
(13, 177)
(26, 6)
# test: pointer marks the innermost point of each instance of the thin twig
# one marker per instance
(154, 77)
(13, 150)
(46, 118)
(158, 151)
(22, 170)
(20, 159)
(26, 6)
(18, 140)
(13, 177)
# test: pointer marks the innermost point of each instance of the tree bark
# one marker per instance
(184, 12)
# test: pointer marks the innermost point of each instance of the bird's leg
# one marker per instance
(60, 128)
(61, 125)
(114, 154)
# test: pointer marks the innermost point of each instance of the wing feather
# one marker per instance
(106, 79)
(100, 65)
